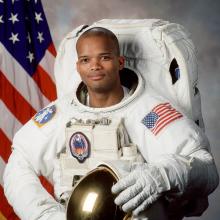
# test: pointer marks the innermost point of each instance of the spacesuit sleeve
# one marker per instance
(182, 150)
(25, 192)
(189, 158)
(34, 150)
(189, 166)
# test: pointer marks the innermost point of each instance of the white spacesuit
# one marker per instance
(159, 119)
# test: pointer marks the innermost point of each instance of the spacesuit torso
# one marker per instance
(47, 135)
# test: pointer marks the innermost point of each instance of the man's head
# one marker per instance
(104, 33)
(99, 61)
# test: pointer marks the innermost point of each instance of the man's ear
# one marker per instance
(121, 60)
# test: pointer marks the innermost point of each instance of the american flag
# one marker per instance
(27, 57)
(160, 116)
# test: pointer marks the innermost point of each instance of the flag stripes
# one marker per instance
(43, 80)
(52, 49)
(48, 66)
(14, 101)
(2, 164)
(160, 116)
(6, 209)
(9, 124)
(5, 147)
(27, 84)
(167, 114)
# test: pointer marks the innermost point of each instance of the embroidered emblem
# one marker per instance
(44, 115)
(159, 117)
(79, 146)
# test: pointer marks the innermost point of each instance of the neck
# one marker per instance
(107, 99)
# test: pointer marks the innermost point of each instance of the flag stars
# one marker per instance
(1, 1)
(14, 38)
(38, 17)
(1, 19)
(13, 18)
(40, 37)
(30, 56)
(13, 1)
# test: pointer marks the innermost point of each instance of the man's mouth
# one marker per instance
(96, 77)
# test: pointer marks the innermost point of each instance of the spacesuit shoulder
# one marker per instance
(172, 129)
(41, 126)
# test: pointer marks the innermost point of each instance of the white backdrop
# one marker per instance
(200, 17)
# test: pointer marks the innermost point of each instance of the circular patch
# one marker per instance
(79, 146)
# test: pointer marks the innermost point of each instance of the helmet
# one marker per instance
(91, 198)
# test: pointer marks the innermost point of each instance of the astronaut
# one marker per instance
(178, 166)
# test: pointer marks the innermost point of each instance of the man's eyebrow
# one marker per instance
(106, 53)
(100, 54)
(83, 56)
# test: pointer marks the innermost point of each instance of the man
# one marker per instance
(99, 64)
(178, 165)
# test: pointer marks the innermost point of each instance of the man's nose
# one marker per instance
(95, 65)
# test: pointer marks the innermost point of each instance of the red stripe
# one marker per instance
(161, 110)
(158, 107)
(180, 116)
(14, 101)
(5, 208)
(164, 119)
(47, 185)
(5, 146)
(52, 49)
(166, 111)
(45, 83)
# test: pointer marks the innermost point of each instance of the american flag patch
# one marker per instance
(160, 116)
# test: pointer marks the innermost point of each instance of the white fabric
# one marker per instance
(61, 192)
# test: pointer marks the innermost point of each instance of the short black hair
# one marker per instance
(102, 32)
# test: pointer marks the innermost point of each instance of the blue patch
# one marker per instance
(177, 73)
(150, 120)
(79, 146)
(44, 115)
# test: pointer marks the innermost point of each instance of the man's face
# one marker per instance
(98, 63)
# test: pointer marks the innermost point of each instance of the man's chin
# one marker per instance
(100, 89)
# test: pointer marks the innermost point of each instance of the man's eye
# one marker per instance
(106, 57)
(84, 60)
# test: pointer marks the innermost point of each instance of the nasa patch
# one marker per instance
(79, 146)
(44, 115)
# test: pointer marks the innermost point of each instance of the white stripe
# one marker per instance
(19, 78)
(2, 167)
(47, 64)
(8, 123)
